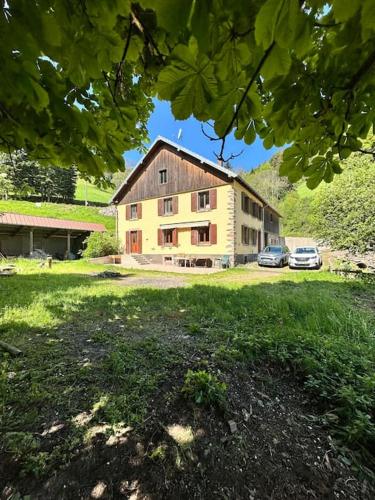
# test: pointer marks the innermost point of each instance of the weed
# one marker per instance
(204, 389)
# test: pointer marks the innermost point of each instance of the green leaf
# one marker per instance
(277, 63)
(250, 134)
(345, 9)
(368, 19)
(189, 82)
(51, 30)
(265, 22)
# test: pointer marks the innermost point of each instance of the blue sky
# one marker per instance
(163, 123)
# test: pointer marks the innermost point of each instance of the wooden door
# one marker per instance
(134, 242)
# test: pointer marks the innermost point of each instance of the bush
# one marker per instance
(204, 388)
(100, 245)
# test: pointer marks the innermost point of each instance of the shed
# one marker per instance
(22, 234)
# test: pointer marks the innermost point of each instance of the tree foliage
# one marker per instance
(266, 180)
(100, 245)
(26, 176)
(78, 76)
(343, 212)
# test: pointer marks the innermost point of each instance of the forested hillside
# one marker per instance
(340, 213)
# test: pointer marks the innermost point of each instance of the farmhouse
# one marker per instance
(22, 234)
(176, 206)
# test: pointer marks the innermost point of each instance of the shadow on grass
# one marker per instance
(109, 355)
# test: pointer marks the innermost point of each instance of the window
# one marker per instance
(245, 203)
(271, 217)
(168, 236)
(245, 235)
(163, 176)
(133, 211)
(168, 206)
(203, 235)
(204, 200)
(254, 238)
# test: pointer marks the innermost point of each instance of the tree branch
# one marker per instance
(121, 64)
(244, 95)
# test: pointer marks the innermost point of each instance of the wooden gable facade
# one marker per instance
(183, 173)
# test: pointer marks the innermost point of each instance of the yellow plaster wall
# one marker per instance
(242, 218)
(150, 222)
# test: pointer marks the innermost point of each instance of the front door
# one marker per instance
(134, 244)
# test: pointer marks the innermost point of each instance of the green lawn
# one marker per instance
(59, 211)
(96, 352)
(93, 192)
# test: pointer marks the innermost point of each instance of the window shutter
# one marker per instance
(160, 206)
(160, 237)
(194, 202)
(175, 204)
(127, 212)
(213, 198)
(139, 210)
(174, 237)
(194, 236)
(127, 241)
(213, 234)
(139, 241)
(260, 212)
(243, 201)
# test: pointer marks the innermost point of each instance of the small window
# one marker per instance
(245, 235)
(168, 208)
(168, 236)
(271, 217)
(163, 176)
(203, 235)
(133, 211)
(246, 204)
(203, 200)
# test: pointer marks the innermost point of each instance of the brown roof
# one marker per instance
(12, 219)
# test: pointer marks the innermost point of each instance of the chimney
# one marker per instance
(220, 162)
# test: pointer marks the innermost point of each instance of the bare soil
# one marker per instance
(186, 452)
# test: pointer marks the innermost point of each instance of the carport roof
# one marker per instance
(13, 219)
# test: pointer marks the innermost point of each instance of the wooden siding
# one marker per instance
(183, 175)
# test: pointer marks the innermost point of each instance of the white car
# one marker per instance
(305, 258)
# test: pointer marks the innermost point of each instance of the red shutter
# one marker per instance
(127, 212)
(175, 204)
(194, 236)
(194, 202)
(127, 242)
(213, 234)
(174, 237)
(213, 198)
(160, 237)
(139, 241)
(160, 206)
(139, 210)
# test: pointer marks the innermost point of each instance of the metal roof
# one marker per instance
(230, 173)
(13, 219)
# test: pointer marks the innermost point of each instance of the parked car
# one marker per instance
(274, 256)
(305, 258)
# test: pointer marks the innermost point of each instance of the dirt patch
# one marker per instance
(157, 282)
(186, 452)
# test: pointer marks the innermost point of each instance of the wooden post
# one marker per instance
(31, 241)
(67, 244)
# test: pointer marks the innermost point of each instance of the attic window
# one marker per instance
(163, 176)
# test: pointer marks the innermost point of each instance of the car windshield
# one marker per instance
(273, 250)
(305, 250)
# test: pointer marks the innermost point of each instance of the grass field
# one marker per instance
(59, 211)
(93, 193)
(97, 353)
